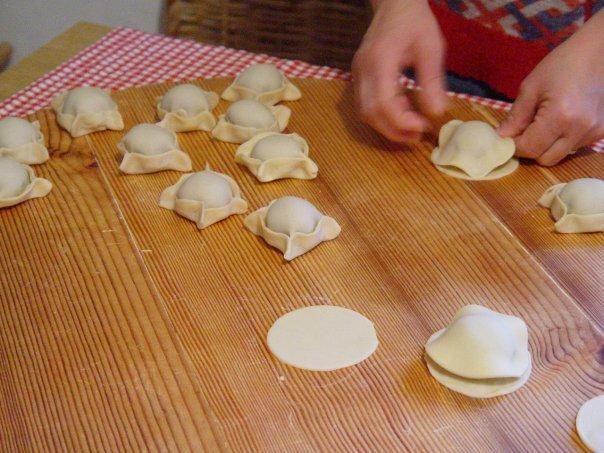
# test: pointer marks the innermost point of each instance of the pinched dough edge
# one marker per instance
(194, 210)
(302, 167)
(299, 243)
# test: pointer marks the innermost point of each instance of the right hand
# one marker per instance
(403, 34)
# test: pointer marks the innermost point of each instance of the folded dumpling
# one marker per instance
(481, 354)
(271, 155)
(292, 225)
(262, 82)
(205, 197)
(18, 183)
(148, 148)
(576, 206)
(22, 141)
(247, 118)
(187, 107)
(83, 110)
(473, 150)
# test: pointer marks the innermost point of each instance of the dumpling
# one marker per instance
(148, 148)
(187, 107)
(205, 197)
(262, 82)
(86, 109)
(22, 141)
(481, 354)
(272, 155)
(292, 225)
(577, 206)
(246, 118)
(18, 183)
(473, 150)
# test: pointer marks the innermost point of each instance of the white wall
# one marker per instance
(27, 24)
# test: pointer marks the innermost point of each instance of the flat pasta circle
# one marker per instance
(590, 423)
(322, 338)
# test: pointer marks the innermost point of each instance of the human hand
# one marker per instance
(403, 34)
(560, 106)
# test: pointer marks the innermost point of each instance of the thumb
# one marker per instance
(521, 115)
(431, 78)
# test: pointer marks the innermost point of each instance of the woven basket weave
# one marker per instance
(318, 31)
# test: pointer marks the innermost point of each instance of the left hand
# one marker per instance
(560, 106)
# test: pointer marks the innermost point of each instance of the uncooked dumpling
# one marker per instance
(149, 148)
(481, 354)
(271, 156)
(262, 82)
(187, 107)
(205, 197)
(83, 110)
(473, 150)
(247, 118)
(590, 424)
(292, 225)
(322, 338)
(22, 141)
(577, 206)
(19, 183)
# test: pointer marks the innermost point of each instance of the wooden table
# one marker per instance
(49, 56)
(123, 327)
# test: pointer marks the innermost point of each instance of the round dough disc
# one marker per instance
(504, 170)
(590, 423)
(322, 338)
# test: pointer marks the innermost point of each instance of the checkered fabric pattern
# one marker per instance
(125, 58)
(549, 22)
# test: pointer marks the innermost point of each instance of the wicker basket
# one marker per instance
(318, 31)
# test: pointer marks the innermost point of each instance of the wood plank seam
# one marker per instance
(157, 295)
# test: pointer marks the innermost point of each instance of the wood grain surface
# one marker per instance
(124, 327)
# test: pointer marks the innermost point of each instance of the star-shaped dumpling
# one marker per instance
(247, 118)
(292, 225)
(205, 197)
(22, 141)
(271, 155)
(473, 150)
(481, 354)
(187, 107)
(148, 148)
(19, 183)
(576, 206)
(83, 110)
(262, 82)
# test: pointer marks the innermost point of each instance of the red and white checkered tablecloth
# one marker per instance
(125, 57)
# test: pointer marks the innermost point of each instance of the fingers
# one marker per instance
(380, 103)
(431, 76)
(537, 138)
(558, 151)
(521, 115)
(577, 132)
